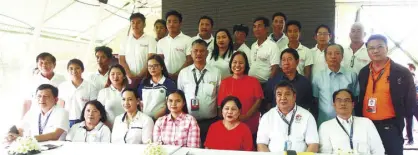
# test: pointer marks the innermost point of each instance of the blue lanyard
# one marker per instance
(41, 128)
(351, 132)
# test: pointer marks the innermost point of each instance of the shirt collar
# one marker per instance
(159, 82)
(295, 79)
(143, 35)
(136, 117)
(179, 117)
(194, 67)
(180, 34)
(271, 36)
(96, 128)
(49, 111)
(106, 74)
(290, 112)
(349, 121)
(387, 64)
(362, 47)
(299, 47)
(340, 71)
(206, 40)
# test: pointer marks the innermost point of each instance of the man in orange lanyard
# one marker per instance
(387, 94)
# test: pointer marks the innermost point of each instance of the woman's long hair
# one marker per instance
(125, 79)
(229, 51)
(160, 60)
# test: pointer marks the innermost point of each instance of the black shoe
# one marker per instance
(410, 142)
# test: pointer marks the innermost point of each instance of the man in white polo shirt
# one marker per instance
(136, 49)
(205, 31)
(323, 35)
(240, 34)
(278, 22)
(45, 63)
(200, 83)
(346, 133)
(175, 48)
(100, 77)
(293, 30)
(356, 56)
(265, 56)
(47, 123)
(287, 126)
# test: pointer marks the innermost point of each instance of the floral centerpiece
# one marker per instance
(154, 149)
(24, 146)
(345, 152)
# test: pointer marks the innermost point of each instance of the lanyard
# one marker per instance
(287, 122)
(350, 136)
(42, 127)
(378, 78)
(198, 81)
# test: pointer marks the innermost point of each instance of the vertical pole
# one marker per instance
(88, 58)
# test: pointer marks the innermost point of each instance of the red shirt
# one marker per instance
(248, 90)
(220, 138)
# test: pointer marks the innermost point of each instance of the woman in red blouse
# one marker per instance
(230, 133)
(246, 88)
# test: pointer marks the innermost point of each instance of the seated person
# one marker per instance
(178, 127)
(92, 127)
(133, 126)
(49, 122)
(230, 133)
(349, 133)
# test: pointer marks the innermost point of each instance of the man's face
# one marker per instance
(137, 25)
(323, 36)
(160, 30)
(334, 56)
(289, 63)
(239, 37)
(205, 27)
(173, 24)
(285, 98)
(357, 33)
(293, 33)
(278, 24)
(343, 103)
(46, 65)
(102, 60)
(46, 99)
(377, 50)
(259, 29)
(199, 53)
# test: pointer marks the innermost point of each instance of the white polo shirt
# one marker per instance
(272, 130)
(207, 91)
(55, 118)
(366, 139)
(357, 60)
(76, 98)
(282, 42)
(139, 131)
(175, 51)
(319, 62)
(305, 58)
(262, 58)
(98, 80)
(222, 64)
(209, 41)
(79, 133)
(111, 99)
(38, 80)
(136, 51)
(244, 48)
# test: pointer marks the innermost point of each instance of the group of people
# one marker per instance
(215, 92)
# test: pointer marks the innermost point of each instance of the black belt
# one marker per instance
(385, 121)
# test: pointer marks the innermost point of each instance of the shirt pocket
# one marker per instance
(208, 89)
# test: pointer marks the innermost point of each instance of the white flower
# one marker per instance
(23, 145)
(154, 149)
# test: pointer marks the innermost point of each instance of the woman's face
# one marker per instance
(116, 76)
(238, 65)
(222, 39)
(129, 102)
(230, 111)
(154, 68)
(175, 103)
(92, 114)
(75, 71)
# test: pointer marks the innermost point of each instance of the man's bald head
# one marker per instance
(357, 33)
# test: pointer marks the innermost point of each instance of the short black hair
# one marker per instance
(247, 65)
(279, 14)
(130, 90)
(240, 28)
(44, 56)
(161, 21)
(183, 97)
(290, 51)
(294, 22)
(99, 106)
(208, 18)
(334, 95)
(285, 83)
(137, 15)
(264, 19)
(377, 37)
(231, 98)
(201, 42)
(323, 26)
(77, 62)
(174, 13)
(334, 44)
(53, 89)
(411, 65)
(106, 50)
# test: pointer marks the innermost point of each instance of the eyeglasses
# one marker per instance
(153, 66)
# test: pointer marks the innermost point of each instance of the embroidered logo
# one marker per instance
(179, 49)
(144, 45)
(298, 118)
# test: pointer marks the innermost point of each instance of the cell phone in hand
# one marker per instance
(50, 146)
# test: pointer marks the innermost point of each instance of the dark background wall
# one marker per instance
(226, 13)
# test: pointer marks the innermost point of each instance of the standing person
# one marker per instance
(264, 56)
(387, 94)
(323, 35)
(205, 31)
(160, 29)
(240, 34)
(103, 58)
(222, 52)
(356, 56)
(175, 48)
(136, 49)
(200, 83)
(278, 22)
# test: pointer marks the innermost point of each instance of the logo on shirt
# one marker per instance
(179, 49)
(143, 45)
(298, 118)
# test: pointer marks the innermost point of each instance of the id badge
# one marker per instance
(287, 145)
(371, 105)
(194, 104)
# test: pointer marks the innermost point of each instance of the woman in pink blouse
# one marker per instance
(178, 127)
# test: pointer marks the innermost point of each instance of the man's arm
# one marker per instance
(312, 148)
(122, 62)
(307, 71)
(50, 136)
(262, 148)
(273, 70)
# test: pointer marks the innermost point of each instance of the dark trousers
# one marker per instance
(409, 124)
(391, 136)
(204, 125)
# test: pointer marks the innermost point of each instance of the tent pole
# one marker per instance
(89, 57)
